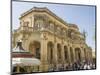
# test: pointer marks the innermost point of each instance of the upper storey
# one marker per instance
(42, 11)
(42, 19)
(44, 14)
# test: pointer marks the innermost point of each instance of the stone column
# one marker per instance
(28, 69)
(74, 59)
(91, 56)
(55, 55)
(32, 20)
(62, 54)
(86, 53)
(72, 55)
(44, 66)
(69, 56)
(18, 69)
(82, 54)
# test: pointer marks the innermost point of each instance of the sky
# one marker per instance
(82, 16)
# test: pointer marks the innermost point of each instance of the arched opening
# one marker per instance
(84, 53)
(59, 53)
(34, 48)
(50, 48)
(77, 54)
(66, 53)
(71, 54)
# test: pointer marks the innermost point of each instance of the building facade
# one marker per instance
(50, 39)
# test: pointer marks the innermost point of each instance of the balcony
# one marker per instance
(26, 29)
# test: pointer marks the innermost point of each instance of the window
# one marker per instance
(59, 52)
(69, 33)
(26, 23)
(66, 53)
(51, 55)
(51, 26)
(38, 24)
(58, 30)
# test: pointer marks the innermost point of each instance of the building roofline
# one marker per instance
(73, 25)
(43, 9)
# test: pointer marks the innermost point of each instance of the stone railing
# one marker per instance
(25, 28)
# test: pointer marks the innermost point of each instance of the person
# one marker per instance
(85, 66)
(66, 67)
(55, 68)
(88, 66)
(93, 66)
(75, 66)
(69, 66)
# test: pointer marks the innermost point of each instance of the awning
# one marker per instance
(25, 61)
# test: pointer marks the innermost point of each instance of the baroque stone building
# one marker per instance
(50, 39)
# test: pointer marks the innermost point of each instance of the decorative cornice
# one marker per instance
(43, 9)
(73, 25)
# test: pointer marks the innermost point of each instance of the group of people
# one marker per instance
(87, 65)
(81, 66)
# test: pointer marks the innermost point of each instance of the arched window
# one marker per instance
(51, 26)
(50, 52)
(78, 54)
(26, 23)
(85, 53)
(58, 30)
(34, 48)
(69, 33)
(38, 24)
(59, 52)
(64, 33)
(66, 53)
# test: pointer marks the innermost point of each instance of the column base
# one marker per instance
(44, 68)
